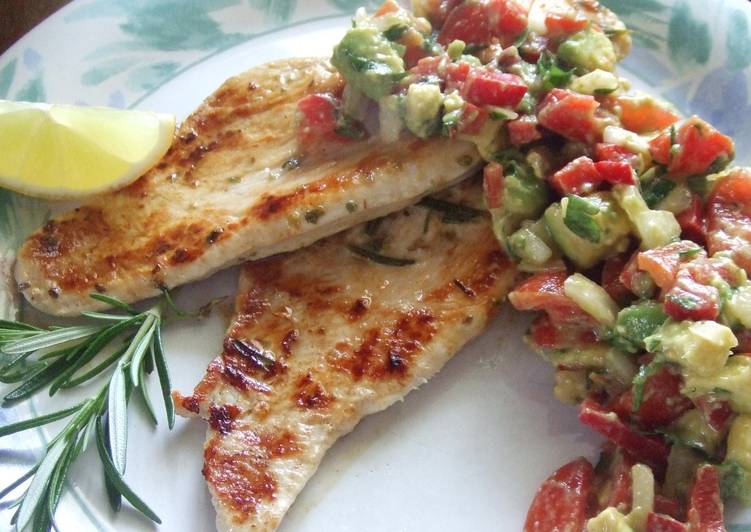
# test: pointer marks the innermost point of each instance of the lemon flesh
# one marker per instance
(65, 151)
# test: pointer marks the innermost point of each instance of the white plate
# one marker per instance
(468, 450)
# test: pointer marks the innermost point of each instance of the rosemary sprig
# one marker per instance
(63, 357)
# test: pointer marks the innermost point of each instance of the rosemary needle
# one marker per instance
(64, 357)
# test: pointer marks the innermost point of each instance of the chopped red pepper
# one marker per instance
(662, 401)
(662, 263)
(473, 119)
(689, 299)
(643, 115)
(716, 412)
(611, 278)
(692, 221)
(571, 115)
(617, 173)
(559, 24)
(488, 87)
(577, 177)
(562, 500)
(479, 23)
(691, 148)
(729, 217)
(705, 511)
(657, 522)
(493, 185)
(544, 291)
(652, 451)
(668, 506)
(524, 130)
(616, 153)
(319, 120)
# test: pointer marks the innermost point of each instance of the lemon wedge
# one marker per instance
(65, 151)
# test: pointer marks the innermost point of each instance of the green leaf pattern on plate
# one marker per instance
(6, 77)
(688, 37)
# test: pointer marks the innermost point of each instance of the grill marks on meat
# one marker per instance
(347, 337)
(222, 195)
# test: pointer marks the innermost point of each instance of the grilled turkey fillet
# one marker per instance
(223, 194)
(323, 337)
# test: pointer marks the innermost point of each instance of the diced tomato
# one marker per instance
(631, 275)
(619, 483)
(571, 115)
(696, 146)
(705, 511)
(456, 75)
(577, 177)
(611, 278)
(319, 120)
(662, 402)
(428, 66)
(524, 130)
(561, 502)
(545, 334)
(689, 299)
(662, 263)
(668, 506)
(544, 291)
(657, 522)
(488, 87)
(617, 173)
(616, 153)
(716, 412)
(532, 49)
(559, 24)
(389, 6)
(652, 451)
(413, 55)
(643, 115)
(729, 218)
(473, 118)
(692, 221)
(493, 185)
(744, 341)
(480, 22)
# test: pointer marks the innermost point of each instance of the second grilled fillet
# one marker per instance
(324, 336)
(223, 194)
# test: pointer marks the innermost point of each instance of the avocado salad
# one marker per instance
(631, 229)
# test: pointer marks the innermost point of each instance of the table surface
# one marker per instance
(18, 17)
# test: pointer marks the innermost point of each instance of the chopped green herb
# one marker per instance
(605, 92)
(349, 127)
(550, 74)
(655, 190)
(521, 39)
(685, 301)
(450, 121)
(645, 372)
(313, 215)
(635, 323)
(379, 258)
(395, 32)
(453, 213)
(579, 218)
(474, 48)
(689, 253)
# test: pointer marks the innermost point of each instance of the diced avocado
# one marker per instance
(700, 347)
(598, 82)
(738, 309)
(589, 50)
(591, 298)
(734, 471)
(422, 109)
(654, 228)
(692, 430)
(532, 244)
(570, 386)
(635, 323)
(368, 61)
(524, 195)
(734, 378)
(611, 221)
